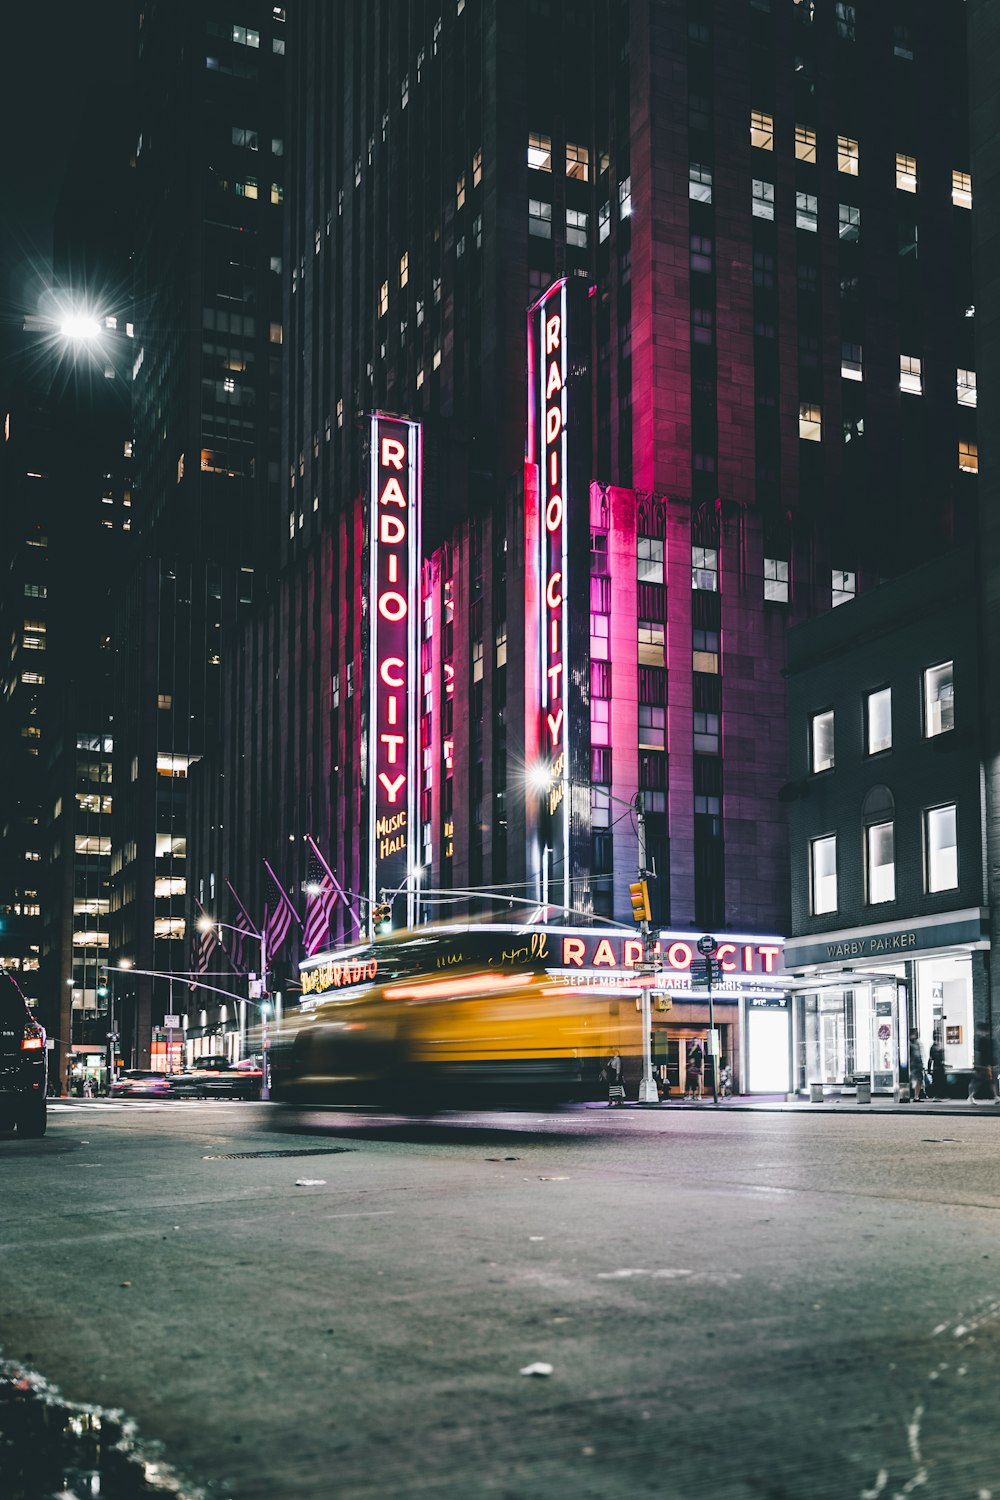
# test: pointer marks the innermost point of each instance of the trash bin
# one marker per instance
(864, 1091)
(815, 1093)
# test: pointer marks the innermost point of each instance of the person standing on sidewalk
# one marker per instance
(982, 1086)
(692, 1081)
(916, 1066)
(616, 1089)
(935, 1063)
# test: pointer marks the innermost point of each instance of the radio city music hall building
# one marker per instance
(754, 402)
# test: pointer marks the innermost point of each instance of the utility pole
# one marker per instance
(706, 947)
(647, 1088)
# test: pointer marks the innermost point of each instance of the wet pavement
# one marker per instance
(732, 1303)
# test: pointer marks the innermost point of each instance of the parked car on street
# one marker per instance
(140, 1083)
(23, 1066)
(215, 1077)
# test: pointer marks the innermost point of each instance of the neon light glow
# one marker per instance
(547, 447)
(394, 577)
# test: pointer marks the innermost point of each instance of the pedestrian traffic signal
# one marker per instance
(639, 896)
(103, 990)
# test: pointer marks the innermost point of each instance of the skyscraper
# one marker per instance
(763, 228)
(209, 175)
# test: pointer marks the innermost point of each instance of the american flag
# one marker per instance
(203, 945)
(278, 914)
(237, 939)
(322, 898)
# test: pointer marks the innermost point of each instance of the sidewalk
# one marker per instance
(833, 1104)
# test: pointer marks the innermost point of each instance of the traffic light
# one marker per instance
(103, 989)
(639, 896)
(382, 916)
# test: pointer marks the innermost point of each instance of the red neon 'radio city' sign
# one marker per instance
(394, 571)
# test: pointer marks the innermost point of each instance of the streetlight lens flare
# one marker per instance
(204, 924)
(124, 963)
(312, 889)
(80, 327)
(540, 776)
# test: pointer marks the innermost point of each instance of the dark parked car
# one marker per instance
(215, 1077)
(140, 1083)
(23, 1066)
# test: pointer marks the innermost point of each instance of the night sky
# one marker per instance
(64, 83)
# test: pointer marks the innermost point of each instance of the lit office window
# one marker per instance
(763, 199)
(460, 191)
(823, 874)
(540, 152)
(404, 268)
(477, 167)
(848, 155)
(576, 227)
(880, 863)
(600, 632)
(625, 198)
(910, 377)
(705, 569)
(843, 586)
(850, 362)
(821, 742)
(850, 221)
(761, 130)
(651, 643)
(577, 162)
(777, 580)
(539, 219)
(807, 212)
(847, 20)
(939, 699)
(705, 651)
(941, 848)
(600, 721)
(805, 143)
(966, 388)
(810, 422)
(968, 457)
(961, 189)
(699, 183)
(906, 173)
(649, 559)
(878, 721)
(603, 222)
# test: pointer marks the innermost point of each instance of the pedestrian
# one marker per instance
(981, 1086)
(616, 1087)
(916, 1066)
(695, 1062)
(935, 1064)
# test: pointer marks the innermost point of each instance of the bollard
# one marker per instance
(864, 1091)
(815, 1093)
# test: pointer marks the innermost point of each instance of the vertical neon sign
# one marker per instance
(393, 653)
(547, 447)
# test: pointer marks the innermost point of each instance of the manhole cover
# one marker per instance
(257, 1155)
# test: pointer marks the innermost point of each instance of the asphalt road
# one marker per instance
(771, 1305)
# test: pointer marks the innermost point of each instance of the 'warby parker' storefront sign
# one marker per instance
(548, 424)
(393, 541)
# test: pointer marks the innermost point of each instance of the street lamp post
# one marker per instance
(205, 924)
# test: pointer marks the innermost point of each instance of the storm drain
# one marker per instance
(258, 1155)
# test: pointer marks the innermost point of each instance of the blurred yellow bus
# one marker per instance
(427, 1021)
